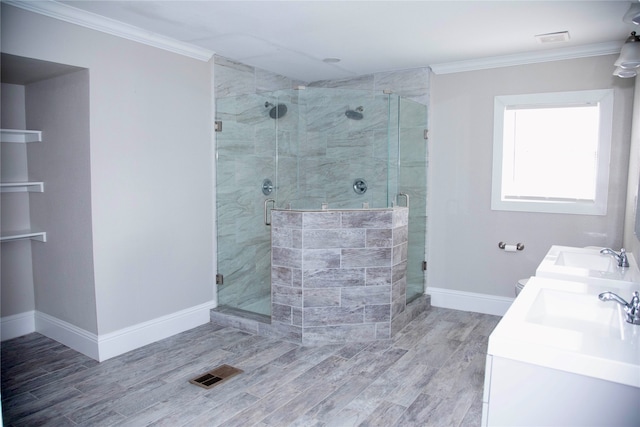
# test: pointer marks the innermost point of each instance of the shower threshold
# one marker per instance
(244, 320)
(260, 324)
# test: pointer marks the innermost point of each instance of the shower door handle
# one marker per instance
(267, 220)
(406, 196)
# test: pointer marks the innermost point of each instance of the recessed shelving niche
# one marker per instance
(21, 136)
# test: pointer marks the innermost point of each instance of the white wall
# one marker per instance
(463, 230)
(151, 167)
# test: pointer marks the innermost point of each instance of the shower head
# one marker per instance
(355, 114)
(277, 111)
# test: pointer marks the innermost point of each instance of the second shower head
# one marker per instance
(277, 111)
(355, 114)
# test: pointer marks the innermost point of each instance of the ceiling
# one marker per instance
(292, 38)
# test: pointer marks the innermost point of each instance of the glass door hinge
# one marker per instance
(424, 265)
(217, 126)
(219, 279)
(425, 135)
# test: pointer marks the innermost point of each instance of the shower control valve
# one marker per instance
(360, 186)
(267, 187)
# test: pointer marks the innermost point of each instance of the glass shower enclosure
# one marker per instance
(310, 149)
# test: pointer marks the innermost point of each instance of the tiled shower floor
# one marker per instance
(430, 374)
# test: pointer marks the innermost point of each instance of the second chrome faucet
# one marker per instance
(621, 257)
(631, 309)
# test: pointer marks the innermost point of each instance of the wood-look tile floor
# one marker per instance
(430, 374)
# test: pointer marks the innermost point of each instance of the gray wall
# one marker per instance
(150, 155)
(463, 230)
(63, 266)
(631, 242)
(17, 289)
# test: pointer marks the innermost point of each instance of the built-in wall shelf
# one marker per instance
(9, 236)
(20, 135)
(19, 187)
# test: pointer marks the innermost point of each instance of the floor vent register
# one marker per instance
(216, 376)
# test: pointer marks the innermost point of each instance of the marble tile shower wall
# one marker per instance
(334, 150)
(347, 149)
(339, 276)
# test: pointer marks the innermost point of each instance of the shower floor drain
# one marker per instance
(215, 376)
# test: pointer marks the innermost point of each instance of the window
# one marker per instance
(551, 152)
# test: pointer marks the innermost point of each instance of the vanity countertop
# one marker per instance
(562, 325)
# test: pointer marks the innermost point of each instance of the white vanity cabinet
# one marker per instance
(10, 185)
(524, 394)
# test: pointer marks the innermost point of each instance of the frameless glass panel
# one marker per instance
(245, 158)
(413, 181)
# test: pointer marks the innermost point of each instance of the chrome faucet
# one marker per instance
(621, 257)
(631, 309)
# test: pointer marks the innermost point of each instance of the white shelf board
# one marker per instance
(8, 236)
(20, 136)
(16, 187)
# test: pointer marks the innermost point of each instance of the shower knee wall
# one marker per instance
(339, 276)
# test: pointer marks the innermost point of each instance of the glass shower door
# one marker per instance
(412, 123)
(245, 159)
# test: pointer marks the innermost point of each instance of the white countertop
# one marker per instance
(562, 324)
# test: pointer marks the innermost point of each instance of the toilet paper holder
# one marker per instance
(503, 245)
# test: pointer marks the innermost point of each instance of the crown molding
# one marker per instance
(96, 22)
(597, 49)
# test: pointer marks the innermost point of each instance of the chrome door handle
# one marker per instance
(406, 196)
(267, 220)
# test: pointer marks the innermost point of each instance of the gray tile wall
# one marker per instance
(339, 276)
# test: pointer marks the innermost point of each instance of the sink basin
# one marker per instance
(587, 265)
(583, 313)
(590, 261)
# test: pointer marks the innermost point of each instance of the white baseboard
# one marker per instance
(70, 335)
(17, 325)
(127, 339)
(106, 346)
(469, 301)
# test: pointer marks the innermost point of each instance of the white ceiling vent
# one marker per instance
(562, 36)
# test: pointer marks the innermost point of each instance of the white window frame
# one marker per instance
(604, 98)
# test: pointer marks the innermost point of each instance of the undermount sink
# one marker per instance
(583, 313)
(587, 265)
(591, 261)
